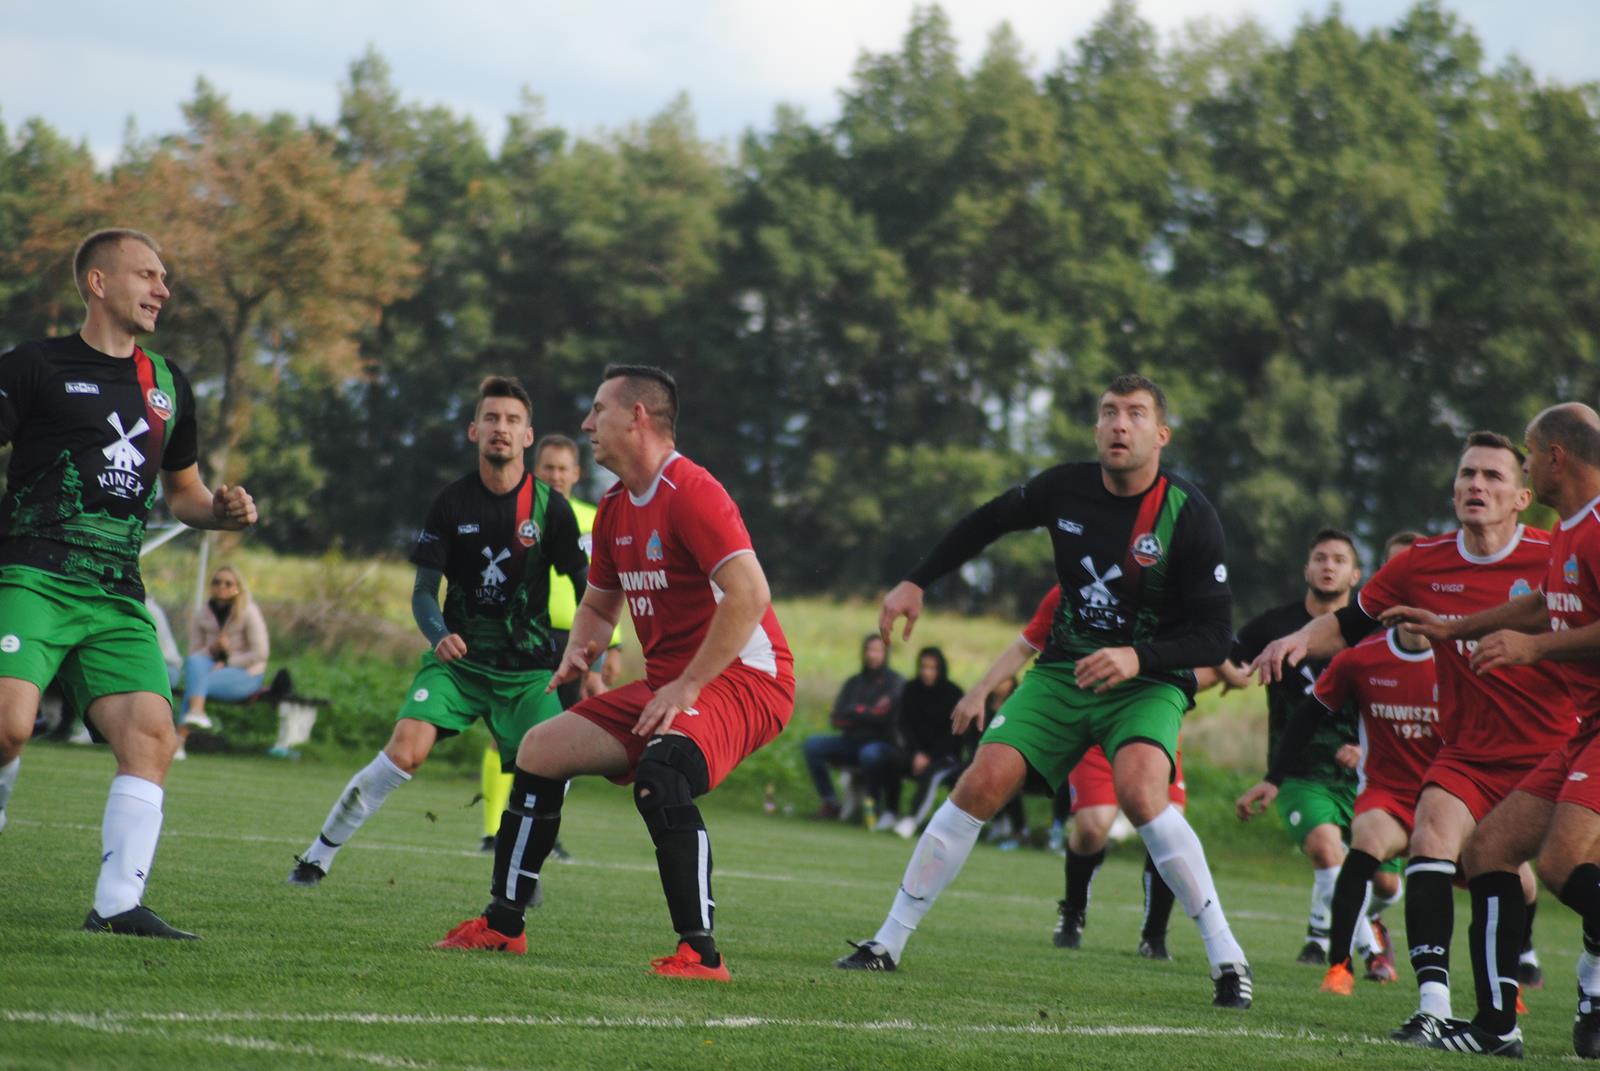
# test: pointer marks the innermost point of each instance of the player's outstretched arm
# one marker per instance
(592, 625)
(1525, 613)
(904, 600)
(1318, 638)
(970, 711)
(1512, 647)
(745, 600)
(227, 508)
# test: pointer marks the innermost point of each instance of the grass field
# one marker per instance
(344, 975)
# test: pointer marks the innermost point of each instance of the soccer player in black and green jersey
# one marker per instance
(1139, 556)
(493, 535)
(96, 423)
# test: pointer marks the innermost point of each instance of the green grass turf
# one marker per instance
(344, 976)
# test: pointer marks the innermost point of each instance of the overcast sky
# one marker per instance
(87, 66)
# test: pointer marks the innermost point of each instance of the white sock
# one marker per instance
(1377, 905)
(8, 781)
(1434, 998)
(940, 854)
(128, 836)
(1365, 941)
(1589, 973)
(358, 802)
(1181, 862)
(1321, 917)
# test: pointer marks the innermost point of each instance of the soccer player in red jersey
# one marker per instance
(719, 679)
(1501, 724)
(1554, 812)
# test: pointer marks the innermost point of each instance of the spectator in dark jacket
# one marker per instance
(864, 715)
(934, 751)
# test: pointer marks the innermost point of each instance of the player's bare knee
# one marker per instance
(669, 775)
(1555, 865)
(1386, 884)
(980, 793)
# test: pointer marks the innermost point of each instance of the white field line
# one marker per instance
(809, 879)
(127, 1022)
(126, 1025)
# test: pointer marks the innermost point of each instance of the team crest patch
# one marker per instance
(159, 403)
(1147, 549)
(1521, 587)
(1569, 571)
(528, 533)
(652, 549)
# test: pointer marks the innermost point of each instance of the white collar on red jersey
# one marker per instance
(1405, 655)
(1489, 559)
(1576, 519)
(661, 474)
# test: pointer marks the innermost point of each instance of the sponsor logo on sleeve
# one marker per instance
(1220, 573)
(1069, 526)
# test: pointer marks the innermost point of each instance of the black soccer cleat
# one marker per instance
(306, 873)
(1586, 1027)
(136, 922)
(1421, 1029)
(487, 843)
(1463, 1035)
(1233, 986)
(559, 853)
(1529, 974)
(1313, 954)
(868, 956)
(1154, 947)
(1069, 926)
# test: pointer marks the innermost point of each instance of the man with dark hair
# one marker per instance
(719, 679)
(95, 422)
(1139, 557)
(1554, 812)
(864, 718)
(1500, 723)
(494, 534)
(1314, 785)
(933, 747)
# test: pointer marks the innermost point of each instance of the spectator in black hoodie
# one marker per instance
(936, 755)
(864, 714)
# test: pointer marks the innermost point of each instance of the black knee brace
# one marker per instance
(535, 796)
(670, 774)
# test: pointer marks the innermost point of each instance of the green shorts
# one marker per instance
(1303, 805)
(1052, 721)
(452, 696)
(96, 642)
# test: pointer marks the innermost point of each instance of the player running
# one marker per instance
(719, 679)
(493, 535)
(1139, 556)
(1093, 799)
(1317, 786)
(94, 421)
(1501, 724)
(1552, 813)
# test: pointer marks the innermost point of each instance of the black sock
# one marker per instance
(680, 854)
(1499, 924)
(1430, 917)
(1157, 902)
(1349, 894)
(1582, 894)
(1527, 940)
(528, 829)
(1080, 873)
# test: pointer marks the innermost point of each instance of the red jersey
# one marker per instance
(1398, 699)
(660, 550)
(1514, 715)
(1572, 592)
(1037, 632)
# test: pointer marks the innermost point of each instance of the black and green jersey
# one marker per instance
(1144, 571)
(1315, 762)
(496, 552)
(89, 435)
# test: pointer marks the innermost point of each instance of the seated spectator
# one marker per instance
(227, 652)
(934, 749)
(864, 714)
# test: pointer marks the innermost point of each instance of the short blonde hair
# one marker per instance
(93, 250)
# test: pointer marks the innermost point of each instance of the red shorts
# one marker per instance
(1478, 782)
(1090, 782)
(737, 713)
(1571, 774)
(1402, 806)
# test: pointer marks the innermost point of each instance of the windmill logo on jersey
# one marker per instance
(122, 478)
(1569, 571)
(492, 576)
(1147, 549)
(1099, 604)
(527, 533)
(1521, 587)
(652, 549)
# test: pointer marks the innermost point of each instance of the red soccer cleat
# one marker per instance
(475, 933)
(685, 963)
(1339, 981)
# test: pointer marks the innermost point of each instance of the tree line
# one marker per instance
(1339, 252)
